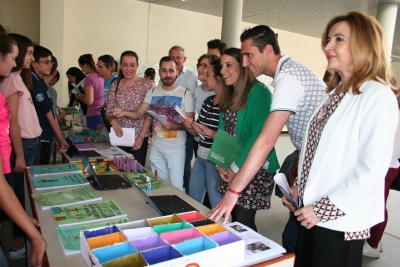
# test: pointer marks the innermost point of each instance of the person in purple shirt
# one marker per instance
(94, 92)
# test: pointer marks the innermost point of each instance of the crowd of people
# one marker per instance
(345, 130)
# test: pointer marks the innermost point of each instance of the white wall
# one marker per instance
(99, 27)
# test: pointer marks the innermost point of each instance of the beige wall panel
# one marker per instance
(22, 17)
(192, 31)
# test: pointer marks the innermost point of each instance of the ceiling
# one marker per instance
(307, 17)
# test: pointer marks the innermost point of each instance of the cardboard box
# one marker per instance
(180, 245)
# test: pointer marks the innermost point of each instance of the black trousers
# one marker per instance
(322, 247)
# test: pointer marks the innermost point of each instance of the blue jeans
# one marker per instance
(94, 122)
(31, 149)
(3, 259)
(289, 235)
(204, 178)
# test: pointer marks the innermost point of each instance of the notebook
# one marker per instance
(166, 204)
(73, 150)
(104, 182)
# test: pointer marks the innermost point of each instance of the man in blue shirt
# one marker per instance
(43, 103)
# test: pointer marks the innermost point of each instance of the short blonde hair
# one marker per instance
(368, 49)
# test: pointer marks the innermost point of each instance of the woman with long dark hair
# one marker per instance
(8, 201)
(24, 128)
(244, 108)
(75, 76)
(128, 94)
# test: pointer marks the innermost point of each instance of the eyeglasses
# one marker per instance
(178, 58)
(202, 65)
(48, 62)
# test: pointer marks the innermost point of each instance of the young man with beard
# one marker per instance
(168, 144)
(298, 92)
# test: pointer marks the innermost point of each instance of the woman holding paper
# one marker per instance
(8, 201)
(128, 94)
(204, 176)
(347, 147)
(94, 92)
(244, 108)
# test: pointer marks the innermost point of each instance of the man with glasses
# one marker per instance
(43, 104)
(187, 79)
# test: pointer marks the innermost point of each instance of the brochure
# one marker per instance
(224, 150)
(78, 87)
(281, 181)
(38, 171)
(258, 248)
(69, 236)
(65, 197)
(158, 117)
(87, 213)
(184, 115)
(62, 181)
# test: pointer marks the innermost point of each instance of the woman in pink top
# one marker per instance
(8, 202)
(94, 92)
(24, 129)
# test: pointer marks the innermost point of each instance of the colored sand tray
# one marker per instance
(162, 241)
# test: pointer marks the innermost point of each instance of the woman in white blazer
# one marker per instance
(347, 147)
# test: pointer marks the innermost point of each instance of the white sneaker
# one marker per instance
(380, 246)
(370, 251)
(17, 253)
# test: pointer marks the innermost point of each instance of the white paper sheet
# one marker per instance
(281, 181)
(128, 138)
(158, 117)
(184, 115)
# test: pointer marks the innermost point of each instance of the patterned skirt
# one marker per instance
(257, 194)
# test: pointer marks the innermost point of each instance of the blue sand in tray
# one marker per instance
(161, 254)
(99, 232)
(195, 245)
(110, 253)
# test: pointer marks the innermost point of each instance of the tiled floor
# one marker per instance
(270, 223)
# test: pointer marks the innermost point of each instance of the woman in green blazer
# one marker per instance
(244, 108)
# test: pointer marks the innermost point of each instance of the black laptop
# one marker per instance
(104, 181)
(166, 204)
(74, 151)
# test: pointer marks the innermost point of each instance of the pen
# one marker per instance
(201, 136)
